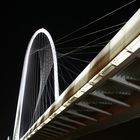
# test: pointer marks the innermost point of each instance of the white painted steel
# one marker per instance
(16, 132)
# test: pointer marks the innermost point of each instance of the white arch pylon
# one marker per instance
(16, 132)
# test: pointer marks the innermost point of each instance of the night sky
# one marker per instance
(20, 20)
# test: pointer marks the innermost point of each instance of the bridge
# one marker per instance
(105, 93)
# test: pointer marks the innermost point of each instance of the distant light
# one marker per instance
(8, 138)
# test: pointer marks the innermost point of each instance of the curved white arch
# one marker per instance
(16, 132)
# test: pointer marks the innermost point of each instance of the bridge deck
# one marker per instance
(106, 93)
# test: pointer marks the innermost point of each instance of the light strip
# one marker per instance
(79, 94)
(95, 79)
(86, 87)
(135, 45)
(107, 69)
(121, 57)
(60, 109)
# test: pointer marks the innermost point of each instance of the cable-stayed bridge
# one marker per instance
(105, 93)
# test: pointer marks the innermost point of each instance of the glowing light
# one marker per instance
(95, 79)
(86, 87)
(121, 57)
(60, 109)
(79, 94)
(135, 45)
(107, 69)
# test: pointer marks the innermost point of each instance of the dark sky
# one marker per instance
(20, 20)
